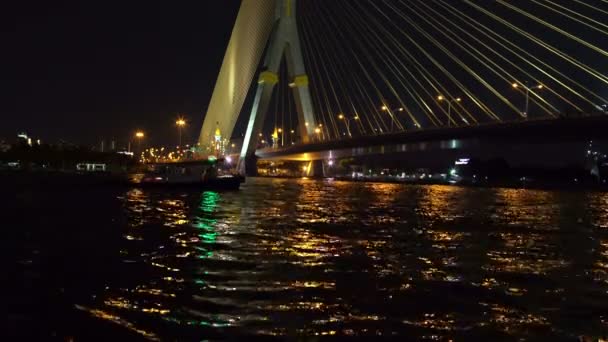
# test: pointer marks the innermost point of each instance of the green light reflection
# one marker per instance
(206, 223)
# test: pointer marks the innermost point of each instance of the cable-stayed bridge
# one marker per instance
(333, 75)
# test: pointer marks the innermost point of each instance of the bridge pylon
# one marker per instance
(283, 41)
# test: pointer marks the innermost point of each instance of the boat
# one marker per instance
(203, 174)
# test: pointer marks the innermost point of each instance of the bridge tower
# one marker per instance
(284, 40)
(260, 24)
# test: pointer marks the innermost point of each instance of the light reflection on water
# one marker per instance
(303, 257)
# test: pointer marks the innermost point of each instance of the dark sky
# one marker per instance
(91, 70)
(88, 70)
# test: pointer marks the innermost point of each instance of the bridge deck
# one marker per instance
(531, 131)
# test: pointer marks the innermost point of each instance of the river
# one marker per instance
(293, 258)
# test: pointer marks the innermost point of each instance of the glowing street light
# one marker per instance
(442, 98)
(347, 122)
(139, 136)
(385, 108)
(318, 131)
(527, 90)
(180, 123)
(280, 131)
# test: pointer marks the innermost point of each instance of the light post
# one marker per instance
(390, 112)
(139, 136)
(280, 130)
(441, 98)
(527, 90)
(318, 131)
(180, 123)
(347, 122)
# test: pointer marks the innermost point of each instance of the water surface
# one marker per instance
(306, 258)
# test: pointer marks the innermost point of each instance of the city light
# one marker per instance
(527, 91)
(442, 98)
(139, 134)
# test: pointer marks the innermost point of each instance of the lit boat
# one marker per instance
(205, 174)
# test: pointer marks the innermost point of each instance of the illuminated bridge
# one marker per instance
(342, 78)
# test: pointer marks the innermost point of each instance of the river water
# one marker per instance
(295, 258)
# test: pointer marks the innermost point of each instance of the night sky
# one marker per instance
(86, 71)
(90, 71)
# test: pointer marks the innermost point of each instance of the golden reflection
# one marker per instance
(445, 322)
(299, 306)
(383, 194)
(120, 321)
(514, 321)
(600, 271)
(308, 247)
(137, 204)
(313, 284)
(173, 212)
(525, 253)
(441, 202)
(598, 205)
(154, 292)
(523, 207)
(165, 267)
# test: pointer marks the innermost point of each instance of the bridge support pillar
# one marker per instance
(316, 169)
(248, 166)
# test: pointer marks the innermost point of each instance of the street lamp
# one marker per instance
(441, 98)
(385, 108)
(180, 123)
(347, 122)
(318, 131)
(139, 135)
(527, 89)
(280, 131)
